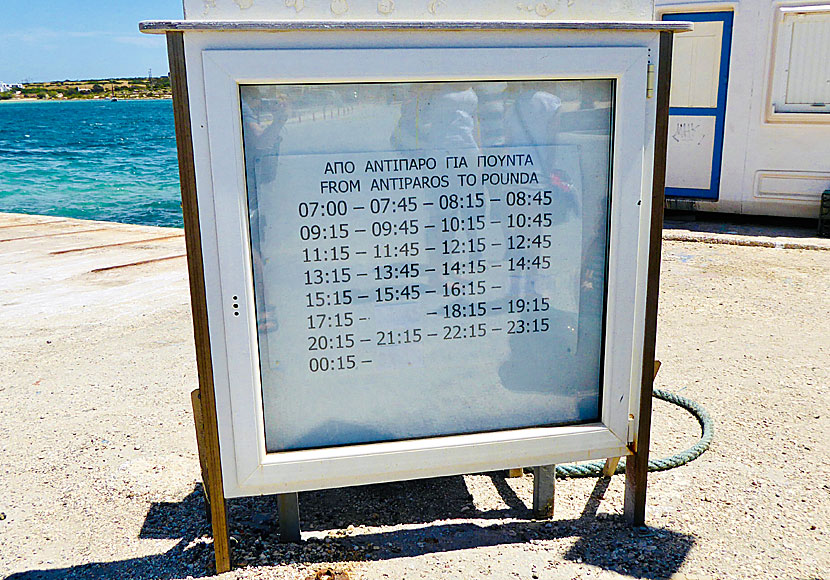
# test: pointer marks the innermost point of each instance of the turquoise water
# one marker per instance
(101, 160)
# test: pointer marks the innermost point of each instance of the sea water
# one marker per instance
(99, 160)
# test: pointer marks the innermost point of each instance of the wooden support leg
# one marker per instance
(636, 481)
(544, 489)
(196, 403)
(209, 445)
(214, 498)
(518, 472)
(219, 523)
(610, 466)
(289, 511)
(636, 475)
(636, 465)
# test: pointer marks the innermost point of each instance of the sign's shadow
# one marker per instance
(408, 507)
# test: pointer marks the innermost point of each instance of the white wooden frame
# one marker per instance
(251, 470)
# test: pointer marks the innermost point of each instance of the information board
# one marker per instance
(428, 258)
(419, 249)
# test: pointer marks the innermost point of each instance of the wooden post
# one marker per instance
(195, 267)
(636, 465)
(196, 403)
(610, 467)
(544, 490)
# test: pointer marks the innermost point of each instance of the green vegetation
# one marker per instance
(126, 88)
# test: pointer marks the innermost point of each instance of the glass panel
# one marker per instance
(429, 258)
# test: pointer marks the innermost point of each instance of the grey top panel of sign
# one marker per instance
(161, 26)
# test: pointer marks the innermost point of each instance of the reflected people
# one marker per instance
(437, 116)
(553, 361)
(264, 114)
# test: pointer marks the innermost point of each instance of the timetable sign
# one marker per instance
(428, 258)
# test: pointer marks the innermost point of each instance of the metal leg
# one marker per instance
(544, 489)
(289, 511)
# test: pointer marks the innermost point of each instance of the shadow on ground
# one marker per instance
(767, 226)
(608, 543)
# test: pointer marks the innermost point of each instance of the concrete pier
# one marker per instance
(53, 265)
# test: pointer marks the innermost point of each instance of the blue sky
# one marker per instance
(44, 40)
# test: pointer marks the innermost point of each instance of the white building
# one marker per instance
(5, 87)
(749, 124)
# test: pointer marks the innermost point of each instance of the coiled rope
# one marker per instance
(707, 429)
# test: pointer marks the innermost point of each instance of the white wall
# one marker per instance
(772, 165)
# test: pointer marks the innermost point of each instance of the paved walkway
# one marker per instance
(771, 236)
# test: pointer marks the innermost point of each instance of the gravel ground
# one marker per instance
(100, 475)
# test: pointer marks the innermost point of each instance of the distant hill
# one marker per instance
(126, 88)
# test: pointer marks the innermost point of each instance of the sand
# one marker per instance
(100, 477)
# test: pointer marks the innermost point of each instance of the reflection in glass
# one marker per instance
(428, 258)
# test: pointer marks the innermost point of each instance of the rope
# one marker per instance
(594, 468)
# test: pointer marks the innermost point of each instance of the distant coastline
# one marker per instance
(92, 89)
